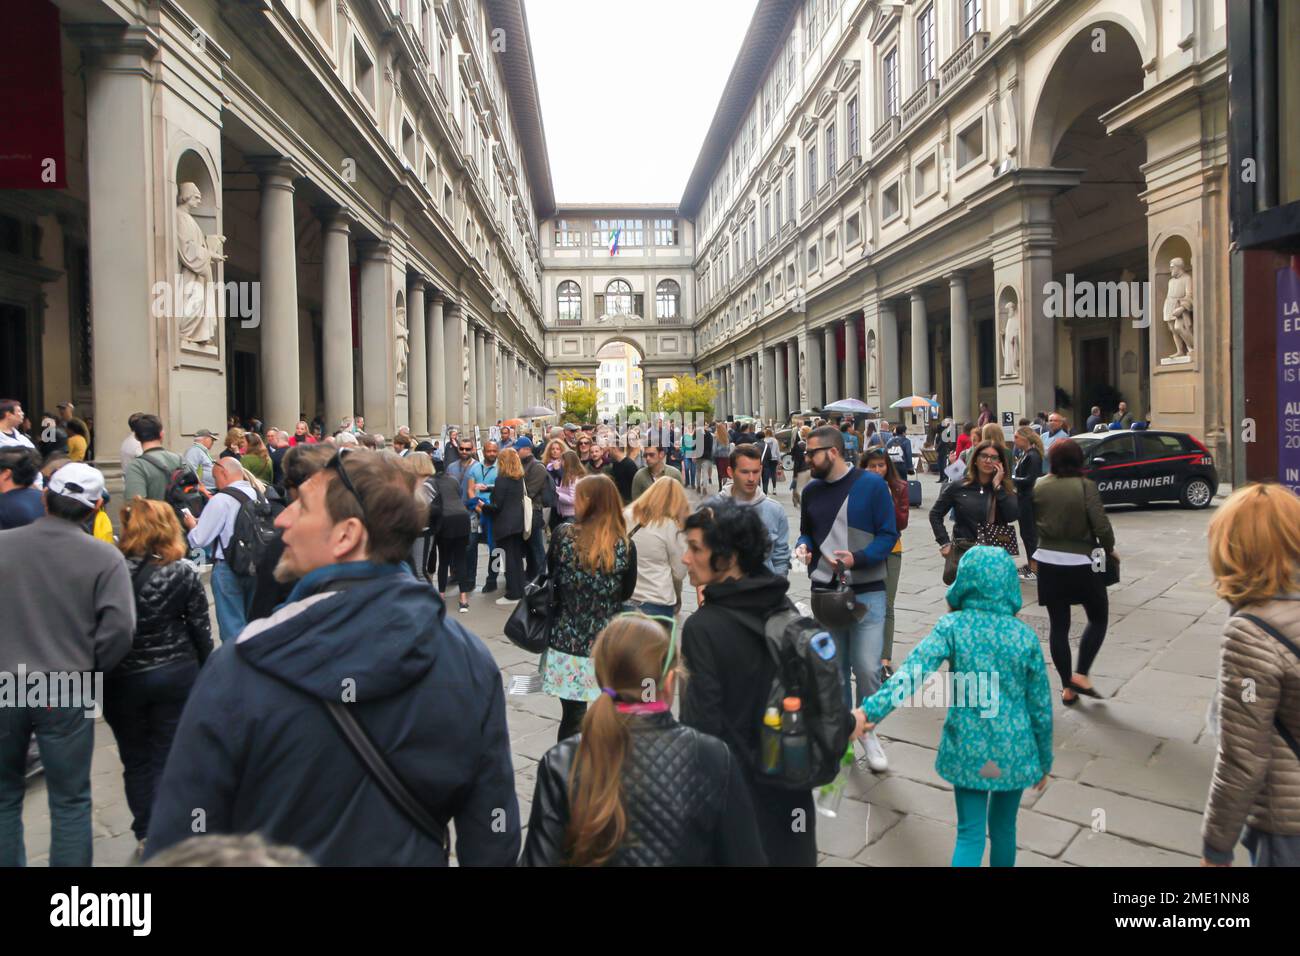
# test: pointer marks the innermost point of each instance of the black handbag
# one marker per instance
(529, 624)
(959, 546)
(834, 605)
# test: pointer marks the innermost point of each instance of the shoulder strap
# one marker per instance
(632, 533)
(1290, 645)
(383, 774)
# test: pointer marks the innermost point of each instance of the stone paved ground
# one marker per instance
(1130, 774)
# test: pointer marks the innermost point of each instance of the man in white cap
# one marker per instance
(59, 629)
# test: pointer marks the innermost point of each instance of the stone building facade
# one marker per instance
(355, 184)
(974, 199)
(640, 291)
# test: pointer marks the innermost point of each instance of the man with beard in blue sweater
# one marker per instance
(258, 749)
(847, 517)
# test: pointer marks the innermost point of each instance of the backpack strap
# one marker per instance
(1290, 645)
(392, 785)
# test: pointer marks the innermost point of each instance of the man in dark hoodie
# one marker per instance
(258, 750)
(725, 652)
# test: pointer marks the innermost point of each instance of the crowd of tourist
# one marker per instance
(330, 556)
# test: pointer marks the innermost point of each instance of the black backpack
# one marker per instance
(253, 533)
(807, 667)
(183, 489)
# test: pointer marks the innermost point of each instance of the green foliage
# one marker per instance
(578, 396)
(691, 393)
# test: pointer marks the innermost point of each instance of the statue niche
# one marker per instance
(195, 252)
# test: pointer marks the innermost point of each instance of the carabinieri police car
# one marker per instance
(1139, 467)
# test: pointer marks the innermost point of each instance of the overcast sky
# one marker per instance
(628, 90)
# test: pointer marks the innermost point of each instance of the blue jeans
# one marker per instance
(979, 811)
(688, 471)
(535, 549)
(66, 738)
(471, 560)
(232, 594)
(860, 646)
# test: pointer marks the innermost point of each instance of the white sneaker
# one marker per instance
(875, 757)
(504, 601)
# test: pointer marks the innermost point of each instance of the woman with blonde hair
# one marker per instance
(592, 568)
(145, 693)
(566, 485)
(1024, 475)
(420, 464)
(1255, 557)
(509, 521)
(658, 516)
(722, 452)
(596, 798)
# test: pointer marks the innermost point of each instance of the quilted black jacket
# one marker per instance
(171, 617)
(686, 800)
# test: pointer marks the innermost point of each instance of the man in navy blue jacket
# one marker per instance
(847, 515)
(257, 749)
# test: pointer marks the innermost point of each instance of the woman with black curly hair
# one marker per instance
(730, 669)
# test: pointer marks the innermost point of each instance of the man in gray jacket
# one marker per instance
(747, 475)
(69, 615)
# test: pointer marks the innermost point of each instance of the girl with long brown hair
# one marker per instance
(658, 517)
(567, 476)
(596, 797)
(592, 568)
(257, 459)
(145, 693)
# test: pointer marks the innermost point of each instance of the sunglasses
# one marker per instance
(813, 451)
(336, 463)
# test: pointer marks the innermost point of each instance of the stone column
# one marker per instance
(437, 370)
(472, 378)
(781, 381)
(486, 402)
(767, 392)
(336, 319)
(755, 387)
(920, 346)
(812, 356)
(119, 138)
(832, 364)
(890, 389)
(792, 358)
(959, 322)
(455, 382)
(377, 359)
(417, 383)
(493, 363)
(281, 400)
(517, 389)
(735, 396)
(852, 382)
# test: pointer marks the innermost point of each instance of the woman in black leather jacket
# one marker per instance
(145, 693)
(968, 499)
(647, 790)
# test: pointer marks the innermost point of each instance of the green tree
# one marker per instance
(578, 396)
(691, 393)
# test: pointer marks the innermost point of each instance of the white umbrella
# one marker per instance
(536, 411)
(849, 406)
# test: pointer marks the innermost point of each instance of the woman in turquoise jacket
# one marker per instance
(997, 739)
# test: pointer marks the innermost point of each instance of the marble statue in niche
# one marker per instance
(1010, 339)
(1178, 309)
(195, 252)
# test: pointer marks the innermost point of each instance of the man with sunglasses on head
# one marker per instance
(362, 649)
(846, 519)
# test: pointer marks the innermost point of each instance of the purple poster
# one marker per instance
(1288, 378)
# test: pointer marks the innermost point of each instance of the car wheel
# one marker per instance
(1197, 493)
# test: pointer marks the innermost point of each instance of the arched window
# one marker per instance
(569, 304)
(618, 298)
(668, 297)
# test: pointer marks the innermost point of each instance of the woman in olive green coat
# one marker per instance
(1075, 544)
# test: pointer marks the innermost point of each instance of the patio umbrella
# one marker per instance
(536, 411)
(849, 406)
(914, 401)
(514, 422)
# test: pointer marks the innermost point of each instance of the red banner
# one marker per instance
(31, 107)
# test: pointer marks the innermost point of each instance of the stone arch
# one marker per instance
(1062, 99)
